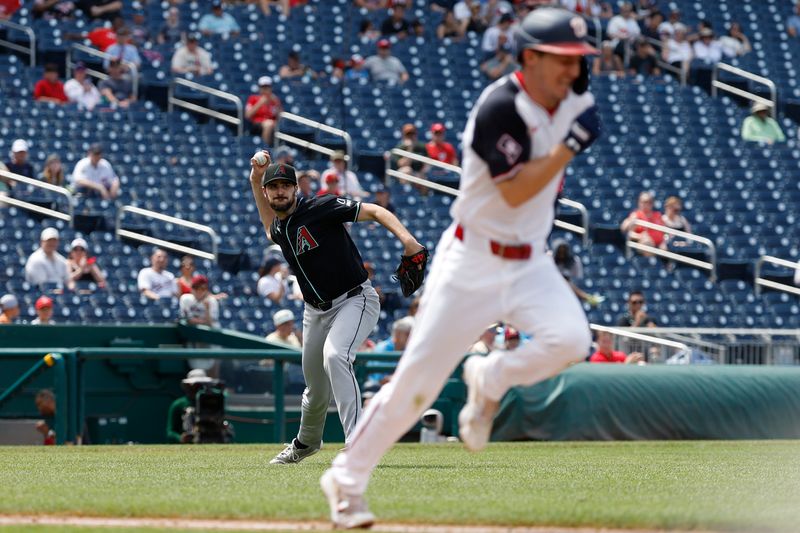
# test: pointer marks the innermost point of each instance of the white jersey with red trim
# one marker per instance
(505, 130)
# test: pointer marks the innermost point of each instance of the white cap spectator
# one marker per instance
(8, 301)
(20, 145)
(49, 233)
(283, 316)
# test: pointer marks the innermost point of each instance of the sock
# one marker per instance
(299, 445)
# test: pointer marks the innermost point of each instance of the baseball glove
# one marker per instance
(411, 271)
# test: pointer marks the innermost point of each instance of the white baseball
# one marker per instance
(260, 158)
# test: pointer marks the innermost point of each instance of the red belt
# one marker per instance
(517, 251)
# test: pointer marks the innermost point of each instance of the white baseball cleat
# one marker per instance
(348, 511)
(475, 419)
(292, 454)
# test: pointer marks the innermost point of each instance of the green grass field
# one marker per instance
(735, 485)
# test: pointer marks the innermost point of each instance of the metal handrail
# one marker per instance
(163, 243)
(238, 121)
(624, 332)
(716, 84)
(31, 51)
(759, 281)
(67, 217)
(102, 75)
(280, 136)
(706, 265)
(582, 230)
(663, 64)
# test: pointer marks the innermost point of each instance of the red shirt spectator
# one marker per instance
(646, 213)
(331, 186)
(607, 354)
(7, 8)
(440, 149)
(269, 111)
(50, 88)
(613, 357)
(102, 38)
(263, 109)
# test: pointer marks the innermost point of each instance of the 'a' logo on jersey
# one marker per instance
(305, 241)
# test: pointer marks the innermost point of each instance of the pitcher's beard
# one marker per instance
(282, 205)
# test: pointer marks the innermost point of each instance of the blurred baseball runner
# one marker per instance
(491, 263)
(341, 307)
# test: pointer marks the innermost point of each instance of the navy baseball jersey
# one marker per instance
(318, 247)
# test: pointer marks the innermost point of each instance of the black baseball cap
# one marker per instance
(279, 171)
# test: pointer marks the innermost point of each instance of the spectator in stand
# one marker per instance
(636, 315)
(331, 184)
(191, 58)
(706, 49)
(101, 37)
(371, 5)
(94, 176)
(396, 24)
(417, 28)
(491, 37)
(607, 62)
(53, 172)
(572, 270)
(81, 266)
(401, 330)
(440, 149)
(124, 50)
(156, 282)
(645, 61)
(199, 307)
(485, 343)
(645, 212)
(760, 127)
(367, 31)
(294, 68)
(449, 27)
(285, 329)
(793, 22)
(590, 8)
(348, 181)
(46, 265)
(645, 8)
(650, 28)
(80, 89)
(53, 9)
(44, 311)
(667, 28)
(171, 32)
(50, 88)
(411, 143)
(263, 110)
(355, 69)
(736, 43)
(284, 154)
(623, 29)
(501, 63)
(218, 22)
(8, 8)
(184, 281)
(140, 33)
(101, 9)
(272, 280)
(117, 89)
(673, 218)
(384, 66)
(9, 309)
(383, 199)
(305, 183)
(18, 164)
(677, 51)
(606, 353)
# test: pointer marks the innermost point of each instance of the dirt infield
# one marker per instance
(268, 525)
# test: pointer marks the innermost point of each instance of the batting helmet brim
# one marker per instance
(566, 49)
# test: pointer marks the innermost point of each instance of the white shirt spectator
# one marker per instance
(622, 28)
(102, 174)
(191, 308)
(492, 36)
(269, 285)
(678, 51)
(42, 269)
(731, 46)
(384, 69)
(710, 53)
(162, 283)
(84, 94)
(185, 60)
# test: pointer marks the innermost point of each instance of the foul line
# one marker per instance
(268, 525)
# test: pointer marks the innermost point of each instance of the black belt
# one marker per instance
(324, 306)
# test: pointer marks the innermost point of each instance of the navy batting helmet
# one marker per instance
(553, 30)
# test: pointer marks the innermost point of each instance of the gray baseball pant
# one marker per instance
(330, 340)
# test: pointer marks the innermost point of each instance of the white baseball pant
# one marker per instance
(330, 341)
(468, 289)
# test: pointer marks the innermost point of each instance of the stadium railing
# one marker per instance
(67, 217)
(121, 232)
(173, 101)
(709, 265)
(76, 47)
(582, 230)
(28, 31)
(717, 85)
(763, 282)
(281, 136)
